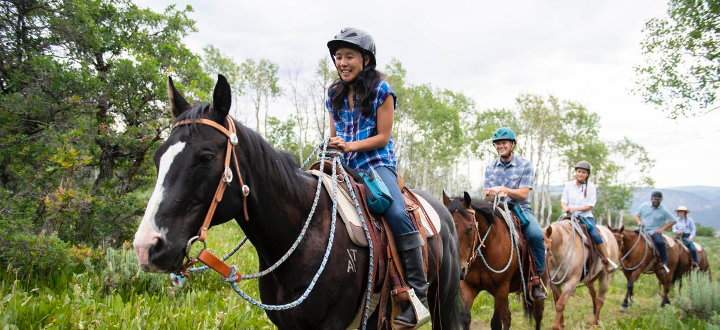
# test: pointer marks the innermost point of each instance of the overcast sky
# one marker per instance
(576, 50)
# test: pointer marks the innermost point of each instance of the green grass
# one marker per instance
(643, 313)
(113, 294)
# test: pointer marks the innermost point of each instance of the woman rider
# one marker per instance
(579, 196)
(685, 227)
(362, 106)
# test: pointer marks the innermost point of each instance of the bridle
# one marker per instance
(476, 239)
(225, 179)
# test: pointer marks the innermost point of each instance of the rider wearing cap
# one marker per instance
(512, 175)
(685, 227)
(362, 106)
(654, 218)
(579, 197)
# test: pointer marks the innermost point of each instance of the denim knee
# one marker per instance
(396, 216)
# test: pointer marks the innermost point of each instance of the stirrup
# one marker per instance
(612, 264)
(422, 315)
(667, 270)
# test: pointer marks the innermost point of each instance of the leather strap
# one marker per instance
(217, 265)
(225, 179)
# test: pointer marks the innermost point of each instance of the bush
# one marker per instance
(700, 296)
(120, 272)
(704, 231)
(35, 254)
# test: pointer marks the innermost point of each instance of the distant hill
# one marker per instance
(703, 202)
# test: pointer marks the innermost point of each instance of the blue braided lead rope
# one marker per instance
(368, 291)
(305, 226)
(233, 276)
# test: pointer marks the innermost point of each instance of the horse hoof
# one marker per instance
(623, 309)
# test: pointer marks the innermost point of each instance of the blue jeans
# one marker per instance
(397, 218)
(690, 246)
(660, 244)
(593, 232)
(536, 241)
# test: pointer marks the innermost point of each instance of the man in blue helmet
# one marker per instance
(512, 175)
(654, 218)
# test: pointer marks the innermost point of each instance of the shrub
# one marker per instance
(700, 296)
(35, 254)
(120, 272)
(705, 231)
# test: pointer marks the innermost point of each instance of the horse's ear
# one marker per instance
(548, 231)
(446, 199)
(178, 105)
(467, 199)
(222, 98)
(622, 229)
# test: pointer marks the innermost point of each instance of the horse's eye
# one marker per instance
(470, 230)
(206, 158)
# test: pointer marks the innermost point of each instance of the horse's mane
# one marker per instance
(278, 167)
(484, 207)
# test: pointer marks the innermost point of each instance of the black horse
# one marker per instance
(190, 163)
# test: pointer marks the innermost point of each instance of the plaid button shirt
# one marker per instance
(515, 174)
(353, 126)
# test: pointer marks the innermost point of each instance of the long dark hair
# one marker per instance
(363, 90)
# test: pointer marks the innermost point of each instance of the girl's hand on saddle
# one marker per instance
(658, 231)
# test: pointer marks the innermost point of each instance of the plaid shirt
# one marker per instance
(515, 174)
(353, 126)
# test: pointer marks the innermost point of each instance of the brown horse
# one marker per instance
(485, 243)
(685, 262)
(638, 258)
(567, 256)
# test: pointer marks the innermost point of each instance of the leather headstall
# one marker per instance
(225, 180)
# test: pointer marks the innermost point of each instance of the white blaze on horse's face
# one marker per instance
(149, 233)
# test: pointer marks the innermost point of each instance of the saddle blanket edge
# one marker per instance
(350, 216)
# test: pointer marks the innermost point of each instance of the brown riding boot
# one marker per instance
(537, 292)
(411, 258)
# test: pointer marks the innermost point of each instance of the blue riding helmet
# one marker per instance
(503, 133)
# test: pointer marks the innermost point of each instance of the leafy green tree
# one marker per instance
(82, 107)
(681, 70)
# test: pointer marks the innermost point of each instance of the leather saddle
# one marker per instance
(386, 262)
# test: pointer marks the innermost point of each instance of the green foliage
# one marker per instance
(120, 272)
(131, 299)
(31, 254)
(82, 107)
(705, 231)
(699, 296)
(681, 70)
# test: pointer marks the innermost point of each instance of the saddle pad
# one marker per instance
(350, 216)
(669, 241)
(697, 247)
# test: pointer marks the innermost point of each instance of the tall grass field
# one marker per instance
(106, 290)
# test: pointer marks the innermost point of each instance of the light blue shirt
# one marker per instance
(687, 225)
(654, 218)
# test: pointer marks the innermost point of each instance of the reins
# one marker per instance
(642, 234)
(569, 253)
(514, 242)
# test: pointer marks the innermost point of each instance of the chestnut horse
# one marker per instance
(685, 262)
(481, 229)
(638, 258)
(566, 259)
(322, 284)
